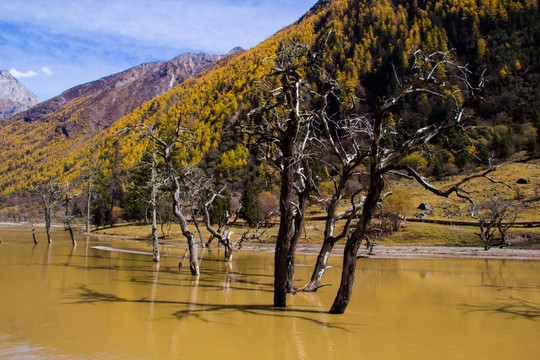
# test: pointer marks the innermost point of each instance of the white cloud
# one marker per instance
(19, 74)
(211, 25)
(84, 40)
(46, 70)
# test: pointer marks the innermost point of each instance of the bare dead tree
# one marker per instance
(151, 192)
(199, 195)
(155, 184)
(67, 196)
(257, 230)
(281, 127)
(223, 233)
(166, 145)
(49, 192)
(195, 184)
(34, 238)
(166, 217)
(435, 75)
(175, 177)
(91, 169)
(497, 214)
(344, 142)
(89, 192)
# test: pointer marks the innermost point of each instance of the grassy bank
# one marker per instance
(419, 234)
(408, 196)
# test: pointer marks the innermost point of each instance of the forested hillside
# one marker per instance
(33, 143)
(365, 39)
(365, 45)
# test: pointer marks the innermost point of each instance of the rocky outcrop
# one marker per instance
(14, 96)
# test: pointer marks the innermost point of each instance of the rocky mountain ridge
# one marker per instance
(14, 96)
(105, 100)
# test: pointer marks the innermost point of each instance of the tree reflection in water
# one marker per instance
(196, 310)
(513, 307)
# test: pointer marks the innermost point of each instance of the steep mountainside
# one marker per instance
(14, 96)
(49, 131)
(366, 42)
(104, 101)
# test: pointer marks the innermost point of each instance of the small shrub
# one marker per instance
(395, 208)
(415, 161)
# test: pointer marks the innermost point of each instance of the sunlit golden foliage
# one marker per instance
(361, 41)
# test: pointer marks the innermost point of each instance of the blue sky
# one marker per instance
(53, 45)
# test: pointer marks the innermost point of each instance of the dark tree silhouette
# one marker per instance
(281, 127)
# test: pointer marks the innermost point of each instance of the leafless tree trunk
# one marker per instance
(303, 201)
(165, 146)
(153, 206)
(88, 205)
(68, 196)
(49, 193)
(487, 229)
(192, 242)
(282, 129)
(434, 75)
(181, 137)
(34, 233)
(497, 214)
(330, 240)
(223, 236)
(90, 172)
(341, 139)
(352, 246)
(48, 223)
(197, 227)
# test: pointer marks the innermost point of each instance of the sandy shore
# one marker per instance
(414, 252)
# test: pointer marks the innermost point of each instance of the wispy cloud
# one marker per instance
(30, 73)
(212, 25)
(47, 71)
(23, 74)
(84, 40)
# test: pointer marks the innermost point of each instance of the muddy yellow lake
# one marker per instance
(106, 299)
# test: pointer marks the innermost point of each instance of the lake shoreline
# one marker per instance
(380, 251)
(414, 251)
